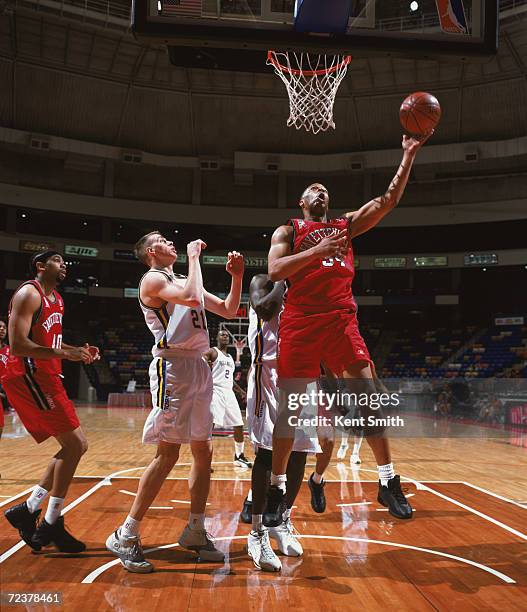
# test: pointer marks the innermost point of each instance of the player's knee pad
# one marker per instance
(264, 458)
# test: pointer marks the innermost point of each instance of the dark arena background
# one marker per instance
(118, 120)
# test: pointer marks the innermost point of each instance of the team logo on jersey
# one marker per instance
(314, 237)
(53, 319)
(166, 403)
(301, 224)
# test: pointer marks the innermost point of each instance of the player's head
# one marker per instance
(3, 330)
(222, 338)
(48, 266)
(315, 201)
(153, 249)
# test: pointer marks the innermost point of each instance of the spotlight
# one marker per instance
(414, 6)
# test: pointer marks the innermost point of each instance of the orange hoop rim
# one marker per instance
(271, 58)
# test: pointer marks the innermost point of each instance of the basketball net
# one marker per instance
(312, 82)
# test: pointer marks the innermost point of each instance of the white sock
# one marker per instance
(250, 495)
(238, 448)
(317, 478)
(356, 445)
(344, 440)
(279, 480)
(386, 472)
(34, 501)
(196, 521)
(258, 522)
(287, 514)
(55, 505)
(130, 528)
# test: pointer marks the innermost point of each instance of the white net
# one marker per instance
(312, 82)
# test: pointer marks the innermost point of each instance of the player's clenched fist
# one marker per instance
(195, 247)
(333, 246)
(235, 264)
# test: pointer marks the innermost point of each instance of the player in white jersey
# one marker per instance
(262, 402)
(181, 386)
(225, 407)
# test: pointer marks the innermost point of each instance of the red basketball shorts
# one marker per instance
(42, 404)
(307, 340)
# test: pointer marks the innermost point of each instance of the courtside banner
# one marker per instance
(452, 18)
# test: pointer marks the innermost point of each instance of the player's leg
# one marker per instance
(344, 445)
(198, 424)
(355, 454)
(285, 533)
(359, 377)
(124, 541)
(316, 480)
(258, 545)
(239, 444)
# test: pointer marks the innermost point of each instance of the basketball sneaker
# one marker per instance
(201, 542)
(343, 449)
(246, 515)
(260, 551)
(318, 499)
(355, 460)
(56, 534)
(392, 497)
(26, 522)
(285, 536)
(242, 461)
(130, 552)
(276, 506)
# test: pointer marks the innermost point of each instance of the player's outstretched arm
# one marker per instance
(26, 304)
(370, 214)
(228, 307)
(281, 264)
(265, 296)
(210, 356)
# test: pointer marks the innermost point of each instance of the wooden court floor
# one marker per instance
(465, 548)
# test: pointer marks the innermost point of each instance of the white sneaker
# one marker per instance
(355, 459)
(260, 551)
(130, 552)
(284, 535)
(343, 449)
(201, 542)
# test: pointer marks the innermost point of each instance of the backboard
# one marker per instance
(418, 28)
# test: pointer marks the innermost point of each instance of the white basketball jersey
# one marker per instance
(263, 337)
(223, 370)
(175, 326)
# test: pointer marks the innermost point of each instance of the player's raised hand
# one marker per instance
(195, 247)
(235, 264)
(412, 144)
(333, 246)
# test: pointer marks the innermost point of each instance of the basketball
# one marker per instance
(420, 112)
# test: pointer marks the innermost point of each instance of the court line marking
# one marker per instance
(92, 576)
(507, 499)
(362, 503)
(106, 480)
(161, 508)
(25, 492)
(421, 486)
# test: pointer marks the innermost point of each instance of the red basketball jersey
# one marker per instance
(4, 356)
(46, 330)
(322, 285)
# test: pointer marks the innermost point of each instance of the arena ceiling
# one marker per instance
(85, 77)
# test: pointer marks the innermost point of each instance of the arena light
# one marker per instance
(414, 6)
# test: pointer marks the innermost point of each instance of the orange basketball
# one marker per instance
(419, 113)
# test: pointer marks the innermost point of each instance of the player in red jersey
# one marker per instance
(4, 354)
(319, 322)
(32, 381)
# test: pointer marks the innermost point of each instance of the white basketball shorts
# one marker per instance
(225, 408)
(262, 408)
(181, 390)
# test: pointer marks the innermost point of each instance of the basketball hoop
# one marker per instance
(312, 82)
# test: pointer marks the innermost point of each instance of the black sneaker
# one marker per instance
(276, 506)
(25, 521)
(242, 461)
(56, 534)
(246, 515)
(318, 499)
(392, 497)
